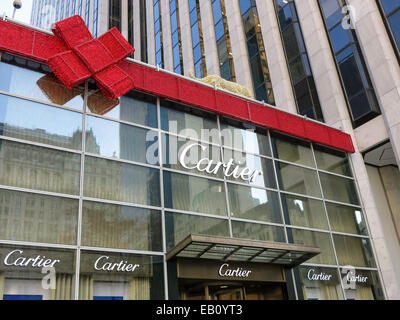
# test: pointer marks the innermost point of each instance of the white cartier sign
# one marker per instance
(225, 271)
(16, 259)
(311, 275)
(102, 264)
(210, 166)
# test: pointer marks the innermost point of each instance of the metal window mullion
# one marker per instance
(162, 201)
(81, 186)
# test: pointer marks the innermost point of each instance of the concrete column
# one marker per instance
(167, 40)
(278, 68)
(103, 17)
(382, 64)
(124, 18)
(136, 29)
(150, 33)
(210, 43)
(336, 114)
(186, 37)
(239, 46)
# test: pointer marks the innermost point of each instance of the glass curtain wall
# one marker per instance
(176, 36)
(95, 18)
(298, 62)
(256, 50)
(391, 17)
(225, 58)
(158, 34)
(350, 63)
(100, 188)
(143, 30)
(131, 28)
(199, 58)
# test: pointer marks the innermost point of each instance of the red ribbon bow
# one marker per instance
(89, 57)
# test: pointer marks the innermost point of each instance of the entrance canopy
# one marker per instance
(235, 249)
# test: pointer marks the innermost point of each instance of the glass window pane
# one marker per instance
(118, 140)
(133, 107)
(332, 161)
(339, 189)
(198, 127)
(352, 251)
(314, 239)
(254, 204)
(304, 212)
(120, 276)
(25, 282)
(292, 150)
(260, 170)
(195, 34)
(320, 283)
(346, 219)
(37, 218)
(179, 226)
(290, 42)
(39, 168)
(23, 119)
(122, 227)
(36, 84)
(195, 194)
(247, 140)
(257, 231)
(395, 26)
(173, 146)
(219, 30)
(389, 5)
(112, 180)
(297, 71)
(298, 180)
(340, 38)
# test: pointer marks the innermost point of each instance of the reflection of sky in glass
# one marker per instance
(358, 217)
(106, 134)
(260, 195)
(299, 203)
(25, 114)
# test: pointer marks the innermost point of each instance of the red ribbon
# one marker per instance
(88, 57)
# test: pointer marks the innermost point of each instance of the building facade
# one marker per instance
(334, 61)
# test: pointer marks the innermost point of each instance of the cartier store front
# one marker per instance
(131, 200)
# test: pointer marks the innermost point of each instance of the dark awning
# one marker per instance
(235, 249)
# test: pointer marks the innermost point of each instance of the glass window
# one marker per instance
(346, 219)
(123, 227)
(173, 146)
(133, 107)
(112, 180)
(249, 140)
(298, 180)
(361, 284)
(254, 204)
(178, 226)
(332, 161)
(37, 218)
(189, 193)
(304, 212)
(390, 5)
(395, 26)
(292, 150)
(263, 177)
(339, 189)
(320, 240)
(39, 168)
(200, 127)
(257, 231)
(120, 276)
(118, 140)
(320, 283)
(37, 83)
(354, 251)
(21, 276)
(23, 119)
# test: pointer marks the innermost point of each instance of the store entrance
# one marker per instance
(200, 290)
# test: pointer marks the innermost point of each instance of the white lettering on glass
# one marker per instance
(102, 264)
(311, 275)
(15, 258)
(229, 169)
(224, 271)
